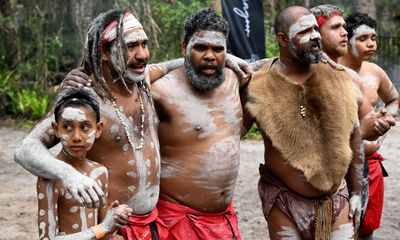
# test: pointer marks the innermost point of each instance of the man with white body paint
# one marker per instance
(335, 45)
(200, 127)
(362, 47)
(306, 127)
(115, 56)
(77, 123)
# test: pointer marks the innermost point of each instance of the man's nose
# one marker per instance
(209, 55)
(142, 53)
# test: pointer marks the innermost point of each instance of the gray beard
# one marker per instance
(200, 82)
(306, 56)
(116, 71)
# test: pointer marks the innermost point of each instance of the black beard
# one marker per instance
(307, 55)
(200, 82)
(115, 68)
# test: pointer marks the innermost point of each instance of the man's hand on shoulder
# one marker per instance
(240, 67)
(76, 78)
(83, 189)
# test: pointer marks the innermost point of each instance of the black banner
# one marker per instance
(246, 28)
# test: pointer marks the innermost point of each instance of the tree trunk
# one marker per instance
(365, 6)
(82, 14)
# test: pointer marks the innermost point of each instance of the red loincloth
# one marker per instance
(145, 227)
(373, 213)
(186, 223)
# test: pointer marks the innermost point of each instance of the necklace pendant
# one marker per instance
(302, 111)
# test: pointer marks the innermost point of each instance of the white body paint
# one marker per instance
(71, 114)
(302, 24)
(359, 31)
(345, 232)
(50, 210)
(288, 233)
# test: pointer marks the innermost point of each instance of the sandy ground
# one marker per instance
(18, 193)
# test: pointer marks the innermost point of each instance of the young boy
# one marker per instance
(77, 124)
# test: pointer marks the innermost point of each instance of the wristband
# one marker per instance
(99, 233)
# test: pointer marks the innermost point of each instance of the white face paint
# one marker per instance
(207, 38)
(71, 114)
(302, 24)
(359, 31)
(91, 137)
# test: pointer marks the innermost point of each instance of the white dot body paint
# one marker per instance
(125, 147)
(131, 175)
(70, 113)
(75, 226)
(42, 212)
(131, 188)
(114, 129)
(359, 31)
(73, 209)
(42, 228)
(68, 195)
(40, 196)
(131, 162)
(302, 24)
(90, 215)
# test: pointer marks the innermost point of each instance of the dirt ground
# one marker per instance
(18, 193)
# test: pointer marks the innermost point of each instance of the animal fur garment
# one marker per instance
(318, 144)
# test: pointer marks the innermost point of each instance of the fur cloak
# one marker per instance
(318, 144)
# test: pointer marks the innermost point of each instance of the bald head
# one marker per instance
(287, 17)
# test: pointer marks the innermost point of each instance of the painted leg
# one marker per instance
(343, 227)
(280, 226)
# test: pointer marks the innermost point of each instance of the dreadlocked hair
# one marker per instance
(354, 20)
(92, 60)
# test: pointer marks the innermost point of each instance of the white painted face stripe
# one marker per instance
(302, 24)
(359, 31)
(70, 114)
(208, 37)
(91, 137)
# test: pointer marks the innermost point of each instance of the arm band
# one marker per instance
(98, 231)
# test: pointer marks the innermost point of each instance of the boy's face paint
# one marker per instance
(363, 42)
(77, 130)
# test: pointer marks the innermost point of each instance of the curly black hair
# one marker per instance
(76, 97)
(354, 20)
(204, 19)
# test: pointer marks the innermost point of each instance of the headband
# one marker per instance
(133, 30)
(321, 20)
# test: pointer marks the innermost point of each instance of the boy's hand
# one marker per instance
(121, 215)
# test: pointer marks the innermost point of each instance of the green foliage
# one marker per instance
(271, 46)
(28, 103)
(253, 133)
(170, 18)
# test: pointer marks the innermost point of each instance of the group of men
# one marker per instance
(172, 131)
